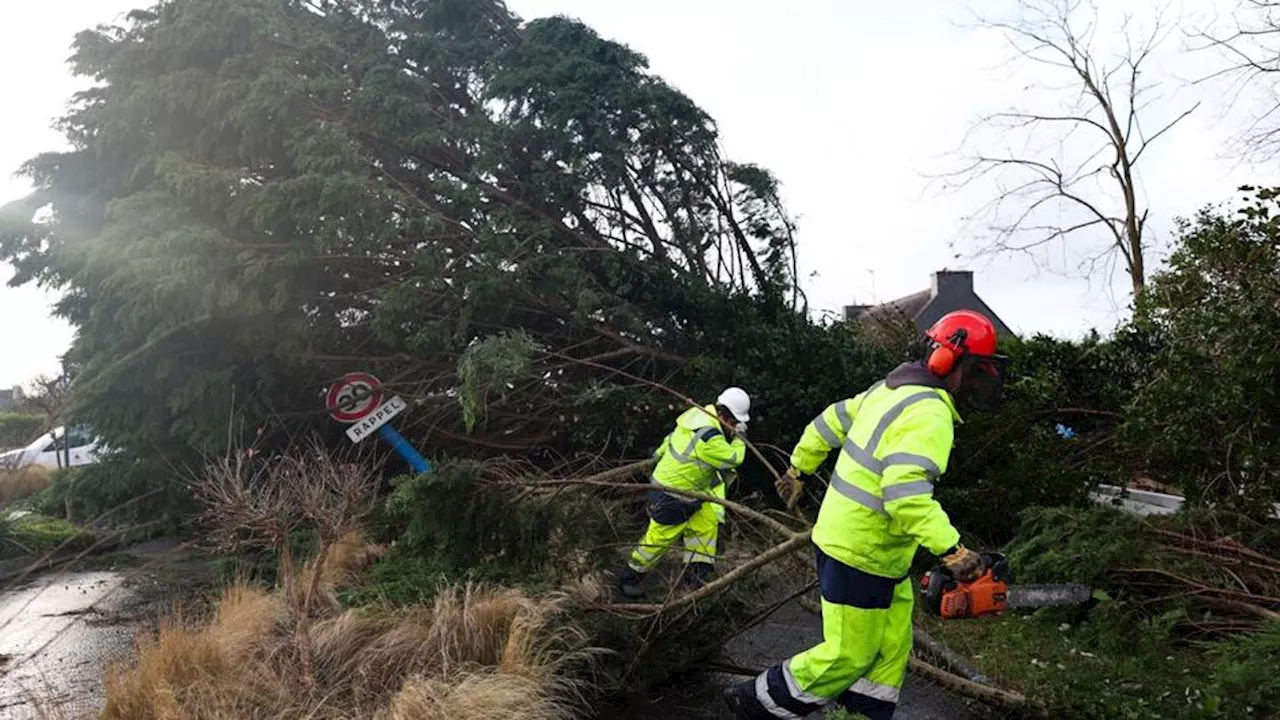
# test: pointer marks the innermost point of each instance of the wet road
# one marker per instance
(59, 632)
(793, 629)
(54, 643)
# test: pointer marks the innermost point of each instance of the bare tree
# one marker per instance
(1078, 190)
(1249, 44)
(255, 502)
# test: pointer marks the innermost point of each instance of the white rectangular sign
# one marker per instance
(376, 419)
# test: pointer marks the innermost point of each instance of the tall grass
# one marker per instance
(22, 483)
(475, 652)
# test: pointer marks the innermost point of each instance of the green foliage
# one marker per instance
(10, 544)
(1059, 544)
(37, 534)
(1013, 460)
(461, 519)
(143, 496)
(1207, 418)
(487, 371)
(18, 430)
(402, 578)
(260, 196)
(1063, 667)
(1244, 681)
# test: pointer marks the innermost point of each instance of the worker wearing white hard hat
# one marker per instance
(699, 454)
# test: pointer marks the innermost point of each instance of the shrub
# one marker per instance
(19, 429)
(120, 491)
(463, 519)
(1207, 417)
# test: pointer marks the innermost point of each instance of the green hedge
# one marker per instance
(19, 429)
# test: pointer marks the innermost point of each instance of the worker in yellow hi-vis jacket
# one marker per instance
(894, 440)
(699, 455)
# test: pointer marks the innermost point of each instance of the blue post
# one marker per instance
(402, 446)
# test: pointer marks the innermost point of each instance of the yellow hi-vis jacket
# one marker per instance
(894, 440)
(694, 454)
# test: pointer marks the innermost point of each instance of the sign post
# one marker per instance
(356, 399)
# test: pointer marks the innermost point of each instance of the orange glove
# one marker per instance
(789, 487)
(965, 565)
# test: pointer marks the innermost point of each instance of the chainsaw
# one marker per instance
(991, 593)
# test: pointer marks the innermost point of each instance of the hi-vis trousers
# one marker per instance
(673, 519)
(862, 660)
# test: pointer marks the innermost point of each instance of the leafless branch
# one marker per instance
(1040, 197)
(1247, 45)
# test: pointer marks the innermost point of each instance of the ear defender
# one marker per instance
(945, 355)
(941, 360)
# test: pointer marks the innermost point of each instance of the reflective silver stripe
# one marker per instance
(879, 691)
(842, 414)
(866, 457)
(646, 554)
(856, 494)
(687, 455)
(693, 542)
(908, 489)
(825, 432)
(774, 709)
(904, 458)
(793, 687)
(887, 419)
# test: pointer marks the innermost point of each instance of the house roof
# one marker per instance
(951, 290)
(908, 306)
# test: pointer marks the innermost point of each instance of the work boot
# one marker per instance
(697, 574)
(629, 583)
(741, 699)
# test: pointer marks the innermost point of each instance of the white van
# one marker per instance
(50, 450)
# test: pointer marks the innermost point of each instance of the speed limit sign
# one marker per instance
(354, 396)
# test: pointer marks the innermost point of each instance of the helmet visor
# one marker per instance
(982, 382)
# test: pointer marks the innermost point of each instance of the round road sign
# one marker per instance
(353, 396)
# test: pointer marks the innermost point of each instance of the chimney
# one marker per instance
(952, 283)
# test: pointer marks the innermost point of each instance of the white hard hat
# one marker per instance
(737, 402)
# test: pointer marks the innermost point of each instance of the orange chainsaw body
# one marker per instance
(950, 599)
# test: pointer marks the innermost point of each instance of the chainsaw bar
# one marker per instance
(1032, 596)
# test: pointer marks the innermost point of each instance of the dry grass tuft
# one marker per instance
(476, 652)
(345, 559)
(478, 695)
(22, 483)
(589, 590)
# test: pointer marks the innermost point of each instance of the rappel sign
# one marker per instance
(356, 399)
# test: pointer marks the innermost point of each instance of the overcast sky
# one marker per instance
(852, 104)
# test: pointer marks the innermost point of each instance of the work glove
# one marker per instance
(789, 487)
(964, 564)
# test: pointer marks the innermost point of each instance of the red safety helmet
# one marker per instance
(958, 334)
(967, 339)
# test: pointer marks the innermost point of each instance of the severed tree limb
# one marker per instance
(659, 386)
(637, 487)
(954, 662)
(621, 471)
(968, 688)
(797, 541)
(1240, 606)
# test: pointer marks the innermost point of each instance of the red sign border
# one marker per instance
(331, 398)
